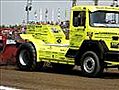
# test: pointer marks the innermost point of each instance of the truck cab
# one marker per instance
(99, 25)
(93, 41)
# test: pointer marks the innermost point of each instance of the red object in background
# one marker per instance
(7, 50)
(8, 54)
(6, 30)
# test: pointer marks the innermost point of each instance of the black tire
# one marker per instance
(91, 65)
(26, 57)
(118, 67)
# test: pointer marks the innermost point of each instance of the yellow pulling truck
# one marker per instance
(93, 41)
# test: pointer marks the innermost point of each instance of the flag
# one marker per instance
(35, 14)
(52, 14)
(46, 14)
(40, 10)
(58, 15)
(46, 11)
(66, 13)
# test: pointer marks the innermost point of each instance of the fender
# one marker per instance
(91, 45)
(35, 42)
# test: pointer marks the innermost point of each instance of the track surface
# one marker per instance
(61, 80)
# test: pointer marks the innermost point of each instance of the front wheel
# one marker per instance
(91, 65)
(118, 67)
(26, 57)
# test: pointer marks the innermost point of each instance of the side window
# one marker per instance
(79, 18)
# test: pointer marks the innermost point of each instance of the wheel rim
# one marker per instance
(24, 57)
(89, 64)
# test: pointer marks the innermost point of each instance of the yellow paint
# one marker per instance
(50, 42)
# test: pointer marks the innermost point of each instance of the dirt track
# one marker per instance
(52, 80)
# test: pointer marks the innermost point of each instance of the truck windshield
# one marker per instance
(104, 19)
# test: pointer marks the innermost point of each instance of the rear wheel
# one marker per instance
(91, 65)
(26, 57)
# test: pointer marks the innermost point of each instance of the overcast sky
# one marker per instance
(13, 11)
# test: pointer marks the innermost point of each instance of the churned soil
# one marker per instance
(57, 80)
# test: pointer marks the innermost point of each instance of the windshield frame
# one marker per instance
(90, 13)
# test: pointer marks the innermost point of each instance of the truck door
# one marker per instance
(77, 29)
